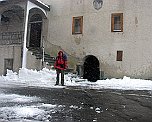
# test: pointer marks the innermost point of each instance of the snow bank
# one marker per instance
(126, 84)
(47, 78)
(23, 109)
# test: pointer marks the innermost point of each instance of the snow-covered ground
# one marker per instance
(20, 108)
(46, 78)
(17, 108)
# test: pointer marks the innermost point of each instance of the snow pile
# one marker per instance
(20, 108)
(34, 75)
(126, 83)
(26, 113)
(16, 98)
(21, 112)
(26, 77)
(47, 78)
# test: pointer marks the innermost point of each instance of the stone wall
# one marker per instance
(10, 52)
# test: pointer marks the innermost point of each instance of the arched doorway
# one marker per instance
(91, 68)
(35, 29)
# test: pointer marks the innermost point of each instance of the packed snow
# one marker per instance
(47, 77)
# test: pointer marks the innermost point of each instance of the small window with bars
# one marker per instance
(77, 25)
(117, 22)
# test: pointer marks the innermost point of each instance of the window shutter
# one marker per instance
(112, 22)
(73, 24)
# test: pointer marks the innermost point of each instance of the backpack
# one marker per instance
(65, 58)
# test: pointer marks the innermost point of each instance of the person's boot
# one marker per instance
(57, 82)
(62, 82)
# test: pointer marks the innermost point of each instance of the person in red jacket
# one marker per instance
(60, 65)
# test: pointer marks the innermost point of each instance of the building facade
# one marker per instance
(102, 38)
(22, 24)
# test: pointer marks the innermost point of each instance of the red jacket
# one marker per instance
(60, 62)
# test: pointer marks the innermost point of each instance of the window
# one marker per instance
(77, 25)
(117, 22)
(35, 30)
(8, 64)
(119, 55)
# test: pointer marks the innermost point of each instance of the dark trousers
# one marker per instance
(58, 75)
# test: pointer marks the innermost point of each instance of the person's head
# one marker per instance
(60, 53)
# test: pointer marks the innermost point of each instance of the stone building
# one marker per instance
(102, 38)
(23, 27)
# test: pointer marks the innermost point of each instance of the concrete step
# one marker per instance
(38, 52)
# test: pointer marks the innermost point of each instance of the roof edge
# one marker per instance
(41, 4)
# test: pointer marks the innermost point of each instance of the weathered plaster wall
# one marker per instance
(32, 62)
(97, 38)
(10, 52)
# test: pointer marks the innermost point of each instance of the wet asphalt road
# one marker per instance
(88, 105)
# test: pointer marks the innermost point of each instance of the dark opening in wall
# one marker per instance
(91, 68)
(119, 55)
(35, 26)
